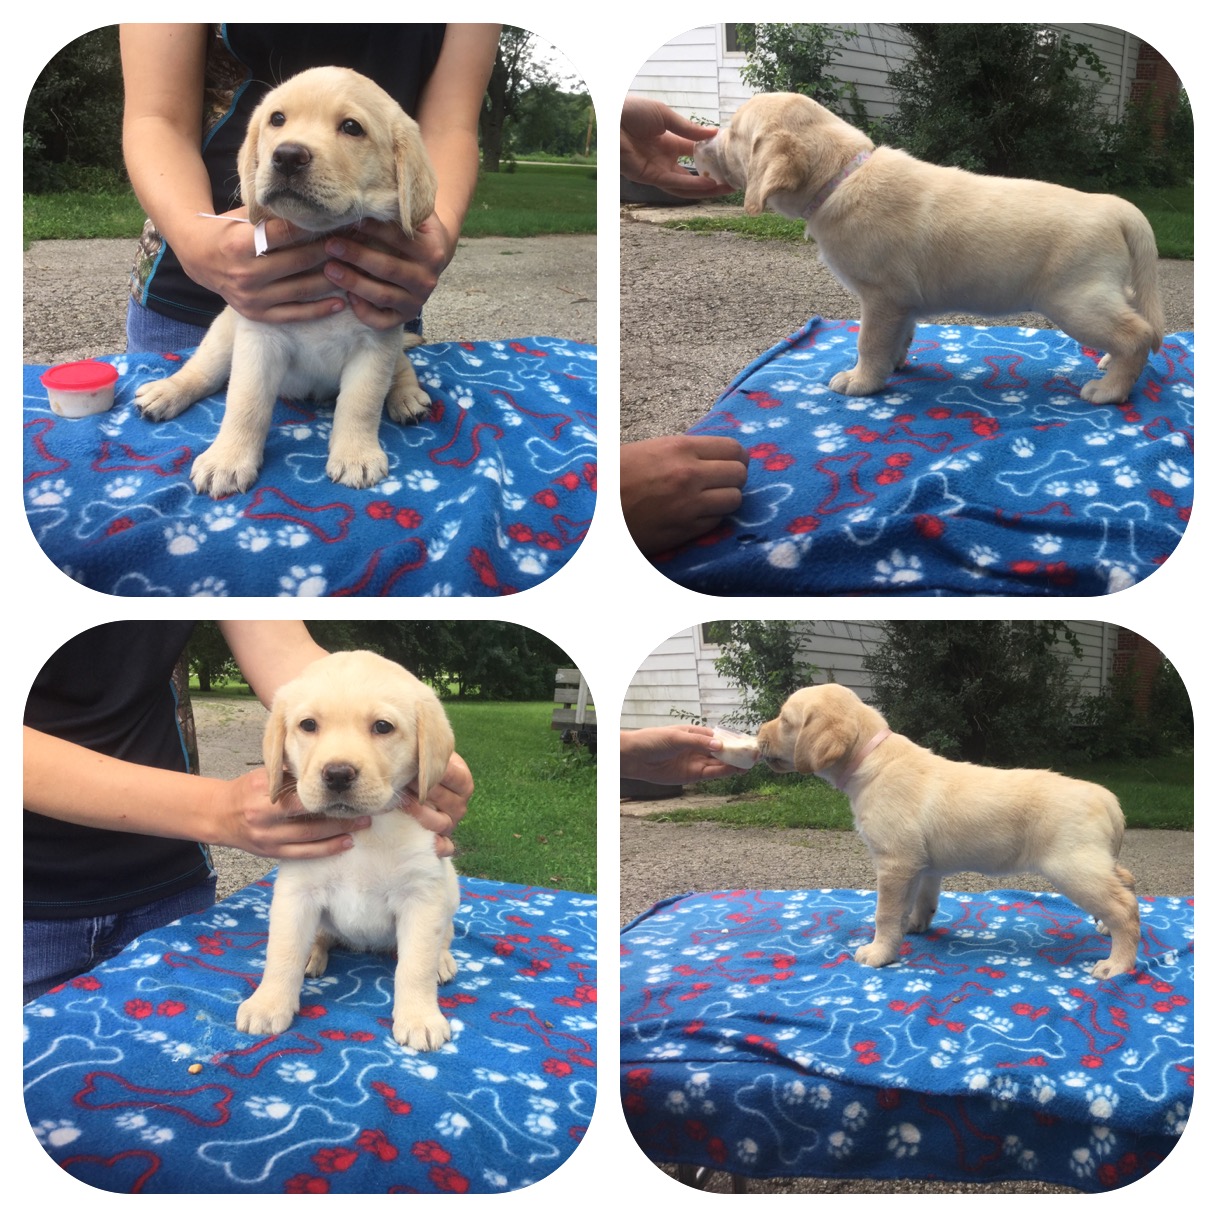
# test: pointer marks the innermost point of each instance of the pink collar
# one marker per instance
(822, 197)
(842, 780)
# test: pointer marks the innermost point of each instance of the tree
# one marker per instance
(794, 58)
(210, 660)
(760, 658)
(992, 692)
(74, 113)
(1003, 98)
(513, 66)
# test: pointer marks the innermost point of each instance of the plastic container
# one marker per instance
(742, 751)
(78, 390)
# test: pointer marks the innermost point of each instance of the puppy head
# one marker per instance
(818, 728)
(328, 148)
(779, 148)
(353, 730)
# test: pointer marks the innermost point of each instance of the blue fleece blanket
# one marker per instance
(979, 471)
(136, 1079)
(489, 495)
(751, 1041)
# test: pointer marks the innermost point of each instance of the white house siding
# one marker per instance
(680, 674)
(696, 75)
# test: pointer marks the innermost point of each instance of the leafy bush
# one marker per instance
(794, 58)
(760, 658)
(992, 692)
(1002, 98)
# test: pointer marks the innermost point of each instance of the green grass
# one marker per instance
(535, 200)
(1170, 211)
(532, 816)
(1157, 793)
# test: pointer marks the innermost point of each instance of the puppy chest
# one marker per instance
(321, 352)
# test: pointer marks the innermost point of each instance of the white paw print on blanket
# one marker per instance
(840, 1144)
(221, 517)
(855, 1116)
(747, 1151)
(1082, 1162)
(540, 1121)
(1126, 477)
(123, 487)
(210, 585)
(268, 1107)
(983, 555)
(453, 1125)
(903, 1140)
(1176, 1117)
(1102, 1101)
(898, 568)
(254, 540)
(50, 493)
(1046, 544)
(1174, 474)
(292, 536)
(183, 540)
(1102, 1141)
(1022, 447)
(56, 1133)
(421, 480)
(303, 581)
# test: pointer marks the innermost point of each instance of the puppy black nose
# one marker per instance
(289, 159)
(339, 777)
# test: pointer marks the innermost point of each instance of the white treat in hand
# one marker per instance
(741, 751)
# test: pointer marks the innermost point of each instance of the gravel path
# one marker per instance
(75, 294)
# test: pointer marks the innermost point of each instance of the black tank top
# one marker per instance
(244, 62)
(109, 689)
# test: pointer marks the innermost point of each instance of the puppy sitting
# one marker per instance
(324, 150)
(911, 239)
(354, 730)
(922, 816)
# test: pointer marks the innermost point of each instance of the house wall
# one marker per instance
(696, 74)
(679, 678)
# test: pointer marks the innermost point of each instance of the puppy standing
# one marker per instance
(324, 150)
(354, 730)
(911, 239)
(922, 816)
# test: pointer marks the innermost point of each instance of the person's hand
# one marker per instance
(387, 276)
(445, 805)
(245, 818)
(653, 138)
(287, 283)
(677, 487)
(672, 755)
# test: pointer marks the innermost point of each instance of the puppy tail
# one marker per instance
(1143, 249)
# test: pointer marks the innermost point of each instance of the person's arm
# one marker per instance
(163, 68)
(65, 781)
(386, 288)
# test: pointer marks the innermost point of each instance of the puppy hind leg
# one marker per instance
(201, 375)
(1113, 326)
(1109, 897)
(407, 400)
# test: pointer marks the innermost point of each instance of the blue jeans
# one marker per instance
(57, 951)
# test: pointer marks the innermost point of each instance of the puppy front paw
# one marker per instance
(855, 384)
(873, 955)
(214, 474)
(358, 469)
(160, 400)
(422, 1031)
(265, 1014)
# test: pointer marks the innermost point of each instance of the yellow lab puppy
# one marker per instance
(324, 150)
(353, 732)
(911, 239)
(922, 816)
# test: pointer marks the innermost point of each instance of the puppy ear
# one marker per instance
(273, 741)
(435, 743)
(822, 741)
(416, 184)
(776, 164)
(247, 168)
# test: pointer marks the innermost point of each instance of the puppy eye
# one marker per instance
(309, 725)
(382, 727)
(350, 127)
(278, 118)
